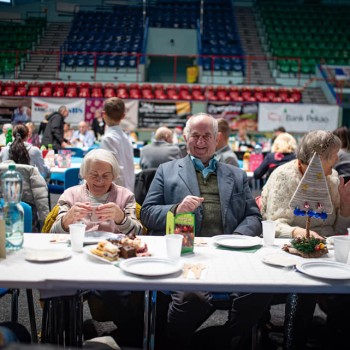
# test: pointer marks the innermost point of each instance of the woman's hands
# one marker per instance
(108, 211)
(344, 193)
(76, 213)
(299, 232)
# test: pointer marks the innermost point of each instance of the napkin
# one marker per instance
(194, 271)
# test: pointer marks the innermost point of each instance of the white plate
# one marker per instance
(325, 269)
(279, 260)
(149, 266)
(87, 250)
(237, 241)
(47, 255)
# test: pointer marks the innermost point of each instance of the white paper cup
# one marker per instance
(349, 231)
(93, 216)
(341, 248)
(77, 234)
(269, 229)
(173, 246)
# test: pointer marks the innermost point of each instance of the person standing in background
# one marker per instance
(53, 133)
(161, 149)
(343, 164)
(42, 126)
(224, 152)
(116, 141)
(98, 125)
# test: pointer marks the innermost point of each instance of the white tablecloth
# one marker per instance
(226, 270)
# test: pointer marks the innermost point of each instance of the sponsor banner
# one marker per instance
(297, 117)
(95, 106)
(154, 114)
(129, 123)
(42, 106)
(238, 114)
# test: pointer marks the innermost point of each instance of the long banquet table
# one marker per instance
(226, 270)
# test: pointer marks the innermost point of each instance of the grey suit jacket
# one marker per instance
(177, 179)
(158, 152)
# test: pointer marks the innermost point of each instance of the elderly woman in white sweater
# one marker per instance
(276, 196)
(283, 182)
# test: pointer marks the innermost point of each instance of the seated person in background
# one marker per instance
(282, 151)
(115, 214)
(343, 164)
(21, 115)
(5, 129)
(224, 152)
(33, 136)
(276, 195)
(34, 191)
(22, 152)
(220, 197)
(67, 133)
(278, 131)
(161, 149)
(244, 141)
(83, 137)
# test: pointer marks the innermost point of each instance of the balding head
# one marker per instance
(164, 134)
(83, 127)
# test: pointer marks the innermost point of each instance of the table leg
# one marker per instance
(152, 320)
(145, 320)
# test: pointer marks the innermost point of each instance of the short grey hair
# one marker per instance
(101, 155)
(320, 141)
(187, 129)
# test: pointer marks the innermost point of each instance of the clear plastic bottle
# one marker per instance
(11, 187)
(50, 156)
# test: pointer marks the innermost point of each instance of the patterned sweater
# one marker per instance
(277, 194)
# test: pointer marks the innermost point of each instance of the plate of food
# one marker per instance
(325, 269)
(111, 250)
(236, 241)
(150, 266)
(47, 255)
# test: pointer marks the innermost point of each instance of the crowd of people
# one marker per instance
(205, 180)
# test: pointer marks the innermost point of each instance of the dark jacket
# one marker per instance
(271, 162)
(54, 131)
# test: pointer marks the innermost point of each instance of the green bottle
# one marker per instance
(9, 136)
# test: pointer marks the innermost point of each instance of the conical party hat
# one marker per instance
(312, 193)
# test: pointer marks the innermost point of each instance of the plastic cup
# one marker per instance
(93, 216)
(269, 229)
(173, 246)
(341, 248)
(77, 235)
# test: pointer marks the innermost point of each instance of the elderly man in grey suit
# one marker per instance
(220, 197)
(161, 149)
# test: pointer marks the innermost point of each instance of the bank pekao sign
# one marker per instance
(297, 117)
